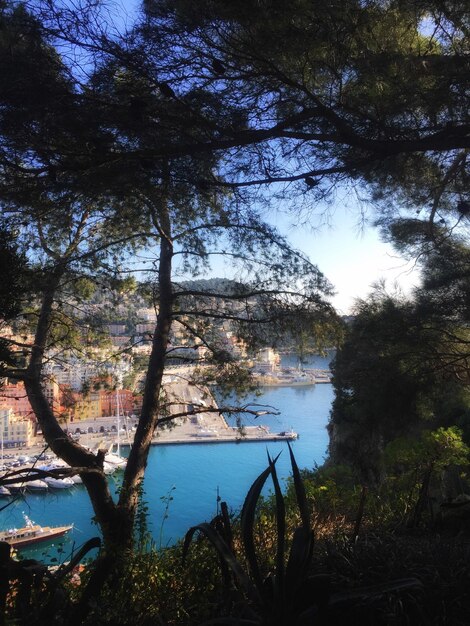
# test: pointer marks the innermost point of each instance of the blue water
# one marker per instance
(193, 475)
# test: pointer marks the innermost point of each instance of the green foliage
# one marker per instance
(277, 585)
(155, 586)
(14, 268)
(148, 155)
(229, 378)
(397, 372)
(438, 448)
(367, 579)
(158, 588)
(352, 87)
(14, 273)
(37, 594)
(167, 500)
(122, 286)
(332, 491)
(84, 288)
(142, 532)
(279, 597)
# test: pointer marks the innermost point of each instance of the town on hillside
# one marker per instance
(85, 386)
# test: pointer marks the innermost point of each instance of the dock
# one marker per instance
(293, 377)
(207, 426)
(227, 435)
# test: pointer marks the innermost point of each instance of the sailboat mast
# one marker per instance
(118, 424)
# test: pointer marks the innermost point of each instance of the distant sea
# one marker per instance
(183, 482)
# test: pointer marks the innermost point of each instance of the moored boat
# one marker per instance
(115, 460)
(59, 483)
(25, 482)
(32, 533)
(36, 485)
(75, 478)
(31, 484)
(4, 491)
(289, 434)
(16, 487)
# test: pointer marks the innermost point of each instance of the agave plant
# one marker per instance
(279, 597)
(290, 595)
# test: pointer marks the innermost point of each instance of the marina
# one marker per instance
(183, 482)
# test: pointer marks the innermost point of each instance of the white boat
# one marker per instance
(59, 483)
(108, 468)
(115, 460)
(32, 533)
(16, 487)
(47, 467)
(34, 484)
(4, 492)
(23, 459)
(52, 466)
(289, 434)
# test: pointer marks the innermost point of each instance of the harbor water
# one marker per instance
(183, 482)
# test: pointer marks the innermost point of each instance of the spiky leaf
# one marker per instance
(247, 527)
(225, 553)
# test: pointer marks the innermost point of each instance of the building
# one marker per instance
(147, 314)
(124, 399)
(119, 341)
(86, 407)
(236, 346)
(145, 328)
(52, 392)
(13, 396)
(116, 329)
(76, 373)
(267, 360)
(16, 431)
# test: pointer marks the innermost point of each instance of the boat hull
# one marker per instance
(33, 535)
(59, 483)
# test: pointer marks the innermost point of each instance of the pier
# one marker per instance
(202, 426)
(233, 435)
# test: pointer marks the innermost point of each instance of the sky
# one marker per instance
(350, 256)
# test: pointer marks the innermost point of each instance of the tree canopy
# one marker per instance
(403, 368)
(308, 95)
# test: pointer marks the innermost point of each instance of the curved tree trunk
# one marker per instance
(138, 456)
(119, 520)
(68, 450)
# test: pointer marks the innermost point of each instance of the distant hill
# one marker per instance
(223, 286)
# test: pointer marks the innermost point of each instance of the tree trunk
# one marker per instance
(137, 460)
(68, 450)
(116, 520)
(114, 525)
(422, 497)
